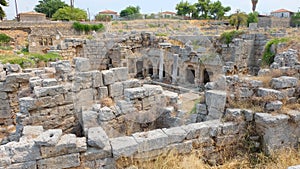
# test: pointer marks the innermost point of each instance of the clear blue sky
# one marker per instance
(154, 6)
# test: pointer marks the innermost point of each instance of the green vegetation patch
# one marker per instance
(268, 56)
(48, 57)
(4, 39)
(29, 59)
(88, 27)
(13, 59)
(227, 37)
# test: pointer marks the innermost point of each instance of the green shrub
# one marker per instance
(22, 61)
(227, 37)
(4, 39)
(268, 56)
(6, 48)
(87, 27)
(161, 34)
(45, 57)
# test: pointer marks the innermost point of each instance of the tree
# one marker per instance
(185, 8)
(296, 19)
(2, 13)
(254, 3)
(203, 8)
(252, 18)
(49, 7)
(70, 14)
(130, 11)
(238, 19)
(217, 10)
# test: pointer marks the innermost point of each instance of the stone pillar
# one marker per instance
(175, 67)
(161, 65)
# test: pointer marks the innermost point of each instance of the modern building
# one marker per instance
(113, 14)
(282, 13)
(168, 14)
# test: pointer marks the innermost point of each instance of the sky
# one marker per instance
(155, 6)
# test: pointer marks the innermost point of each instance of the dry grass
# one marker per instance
(277, 160)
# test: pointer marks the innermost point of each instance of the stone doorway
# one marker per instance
(190, 74)
(139, 69)
(206, 78)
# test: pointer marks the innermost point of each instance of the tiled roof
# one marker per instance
(108, 12)
(168, 12)
(281, 10)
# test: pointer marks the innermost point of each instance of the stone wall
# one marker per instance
(274, 22)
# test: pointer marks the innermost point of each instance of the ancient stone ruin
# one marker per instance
(124, 97)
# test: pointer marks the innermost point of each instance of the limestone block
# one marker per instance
(65, 145)
(120, 73)
(123, 146)
(264, 92)
(35, 81)
(27, 103)
(273, 105)
(215, 101)
(5, 159)
(115, 89)
(175, 134)
(131, 83)
(89, 120)
(125, 107)
(82, 80)
(102, 92)
(201, 109)
(97, 79)
(289, 92)
(49, 91)
(249, 115)
(275, 131)
(294, 115)
(4, 109)
(172, 97)
(26, 165)
(196, 130)
(284, 82)
(151, 140)
(23, 151)
(82, 64)
(151, 90)
(134, 93)
(229, 128)
(65, 161)
(18, 78)
(97, 138)
(182, 148)
(32, 131)
(245, 92)
(108, 77)
(14, 68)
(2, 76)
(96, 153)
(106, 114)
(213, 114)
(233, 115)
(49, 137)
(49, 82)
